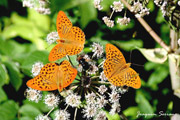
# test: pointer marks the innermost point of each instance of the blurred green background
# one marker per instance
(22, 43)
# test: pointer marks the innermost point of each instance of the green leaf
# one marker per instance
(143, 104)
(26, 118)
(113, 117)
(160, 73)
(2, 75)
(4, 3)
(3, 95)
(128, 45)
(106, 5)
(157, 55)
(15, 50)
(87, 14)
(150, 66)
(29, 110)
(14, 74)
(8, 110)
(32, 58)
(65, 4)
(131, 112)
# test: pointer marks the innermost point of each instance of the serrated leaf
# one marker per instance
(129, 45)
(29, 110)
(8, 110)
(143, 104)
(157, 55)
(2, 75)
(32, 58)
(87, 14)
(160, 73)
(3, 95)
(14, 74)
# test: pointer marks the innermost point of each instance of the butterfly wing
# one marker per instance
(63, 24)
(57, 52)
(128, 77)
(67, 75)
(45, 80)
(114, 60)
(75, 41)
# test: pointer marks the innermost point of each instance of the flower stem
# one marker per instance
(50, 111)
(149, 29)
(75, 113)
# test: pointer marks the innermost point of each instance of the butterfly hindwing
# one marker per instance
(57, 52)
(45, 80)
(118, 71)
(69, 74)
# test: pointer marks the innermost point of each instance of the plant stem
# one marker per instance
(149, 29)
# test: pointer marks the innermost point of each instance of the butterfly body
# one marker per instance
(71, 40)
(118, 72)
(53, 76)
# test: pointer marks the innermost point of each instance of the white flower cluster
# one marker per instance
(97, 4)
(39, 6)
(52, 37)
(36, 68)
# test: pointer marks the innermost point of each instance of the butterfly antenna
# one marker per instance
(131, 57)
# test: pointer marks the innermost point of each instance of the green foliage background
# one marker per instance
(22, 43)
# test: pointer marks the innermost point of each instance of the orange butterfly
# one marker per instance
(71, 40)
(118, 71)
(53, 76)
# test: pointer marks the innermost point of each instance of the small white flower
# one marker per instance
(117, 6)
(90, 98)
(123, 21)
(93, 68)
(122, 91)
(42, 117)
(73, 100)
(179, 41)
(101, 102)
(102, 89)
(87, 58)
(89, 111)
(51, 100)
(97, 49)
(137, 7)
(43, 10)
(175, 117)
(163, 8)
(142, 13)
(36, 68)
(116, 107)
(114, 97)
(158, 2)
(42, 3)
(97, 4)
(102, 76)
(179, 3)
(108, 22)
(33, 95)
(28, 3)
(113, 87)
(62, 115)
(101, 116)
(52, 37)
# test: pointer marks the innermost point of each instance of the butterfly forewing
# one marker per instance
(63, 24)
(114, 60)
